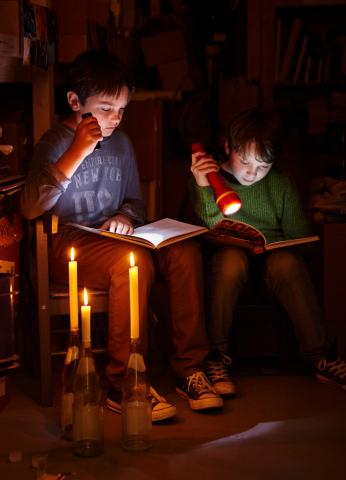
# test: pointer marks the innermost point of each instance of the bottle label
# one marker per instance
(87, 422)
(66, 409)
(137, 418)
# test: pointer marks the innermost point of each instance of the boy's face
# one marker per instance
(246, 167)
(107, 109)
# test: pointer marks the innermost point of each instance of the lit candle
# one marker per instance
(134, 310)
(73, 290)
(85, 315)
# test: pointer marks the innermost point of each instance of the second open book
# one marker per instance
(164, 232)
(235, 232)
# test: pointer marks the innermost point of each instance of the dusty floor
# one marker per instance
(278, 427)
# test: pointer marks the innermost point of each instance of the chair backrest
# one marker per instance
(52, 300)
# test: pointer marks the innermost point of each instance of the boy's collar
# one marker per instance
(228, 176)
(71, 121)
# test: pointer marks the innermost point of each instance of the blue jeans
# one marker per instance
(285, 276)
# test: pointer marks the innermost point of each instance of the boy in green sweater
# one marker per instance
(270, 203)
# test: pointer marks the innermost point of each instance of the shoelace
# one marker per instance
(337, 367)
(200, 383)
(217, 370)
(156, 397)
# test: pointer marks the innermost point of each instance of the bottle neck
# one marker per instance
(134, 345)
(136, 360)
(86, 346)
(74, 339)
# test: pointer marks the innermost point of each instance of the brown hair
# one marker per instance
(98, 71)
(260, 127)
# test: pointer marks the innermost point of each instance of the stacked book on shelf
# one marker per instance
(308, 53)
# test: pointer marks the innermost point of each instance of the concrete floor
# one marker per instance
(278, 427)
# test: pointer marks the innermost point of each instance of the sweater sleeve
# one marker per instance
(44, 184)
(204, 204)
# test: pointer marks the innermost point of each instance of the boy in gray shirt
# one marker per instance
(100, 187)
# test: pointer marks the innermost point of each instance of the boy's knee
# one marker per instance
(231, 264)
(187, 252)
(285, 265)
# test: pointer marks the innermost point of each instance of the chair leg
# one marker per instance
(46, 387)
(43, 315)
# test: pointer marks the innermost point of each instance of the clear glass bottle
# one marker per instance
(136, 404)
(87, 406)
(68, 377)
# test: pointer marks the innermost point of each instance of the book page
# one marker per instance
(234, 232)
(292, 242)
(153, 235)
(160, 231)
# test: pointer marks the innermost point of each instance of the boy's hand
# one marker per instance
(201, 165)
(118, 224)
(88, 133)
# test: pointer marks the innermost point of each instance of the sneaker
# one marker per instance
(331, 371)
(160, 408)
(199, 393)
(215, 366)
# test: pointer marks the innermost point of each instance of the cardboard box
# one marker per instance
(165, 47)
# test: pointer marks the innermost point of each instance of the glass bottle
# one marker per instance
(68, 377)
(136, 404)
(87, 406)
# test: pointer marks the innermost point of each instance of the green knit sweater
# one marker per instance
(272, 205)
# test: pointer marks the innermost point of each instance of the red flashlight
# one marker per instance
(226, 199)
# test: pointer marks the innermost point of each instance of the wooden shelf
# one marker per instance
(308, 3)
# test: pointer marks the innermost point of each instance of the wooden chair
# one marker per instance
(52, 300)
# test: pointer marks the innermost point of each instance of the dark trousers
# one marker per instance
(103, 263)
(285, 276)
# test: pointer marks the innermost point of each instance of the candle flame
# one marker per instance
(72, 254)
(132, 259)
(85, 294)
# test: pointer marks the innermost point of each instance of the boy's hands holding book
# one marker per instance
(118, 224)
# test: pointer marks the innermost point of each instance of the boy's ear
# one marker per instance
(73, 101)
(227, 149)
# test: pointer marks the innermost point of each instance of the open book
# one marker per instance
(234, 232)
(153, 235)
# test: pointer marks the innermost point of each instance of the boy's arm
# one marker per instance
(204, 204)
(44, 184)
(54, 162)
(86, 136)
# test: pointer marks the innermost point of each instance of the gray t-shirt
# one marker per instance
(105, 183)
